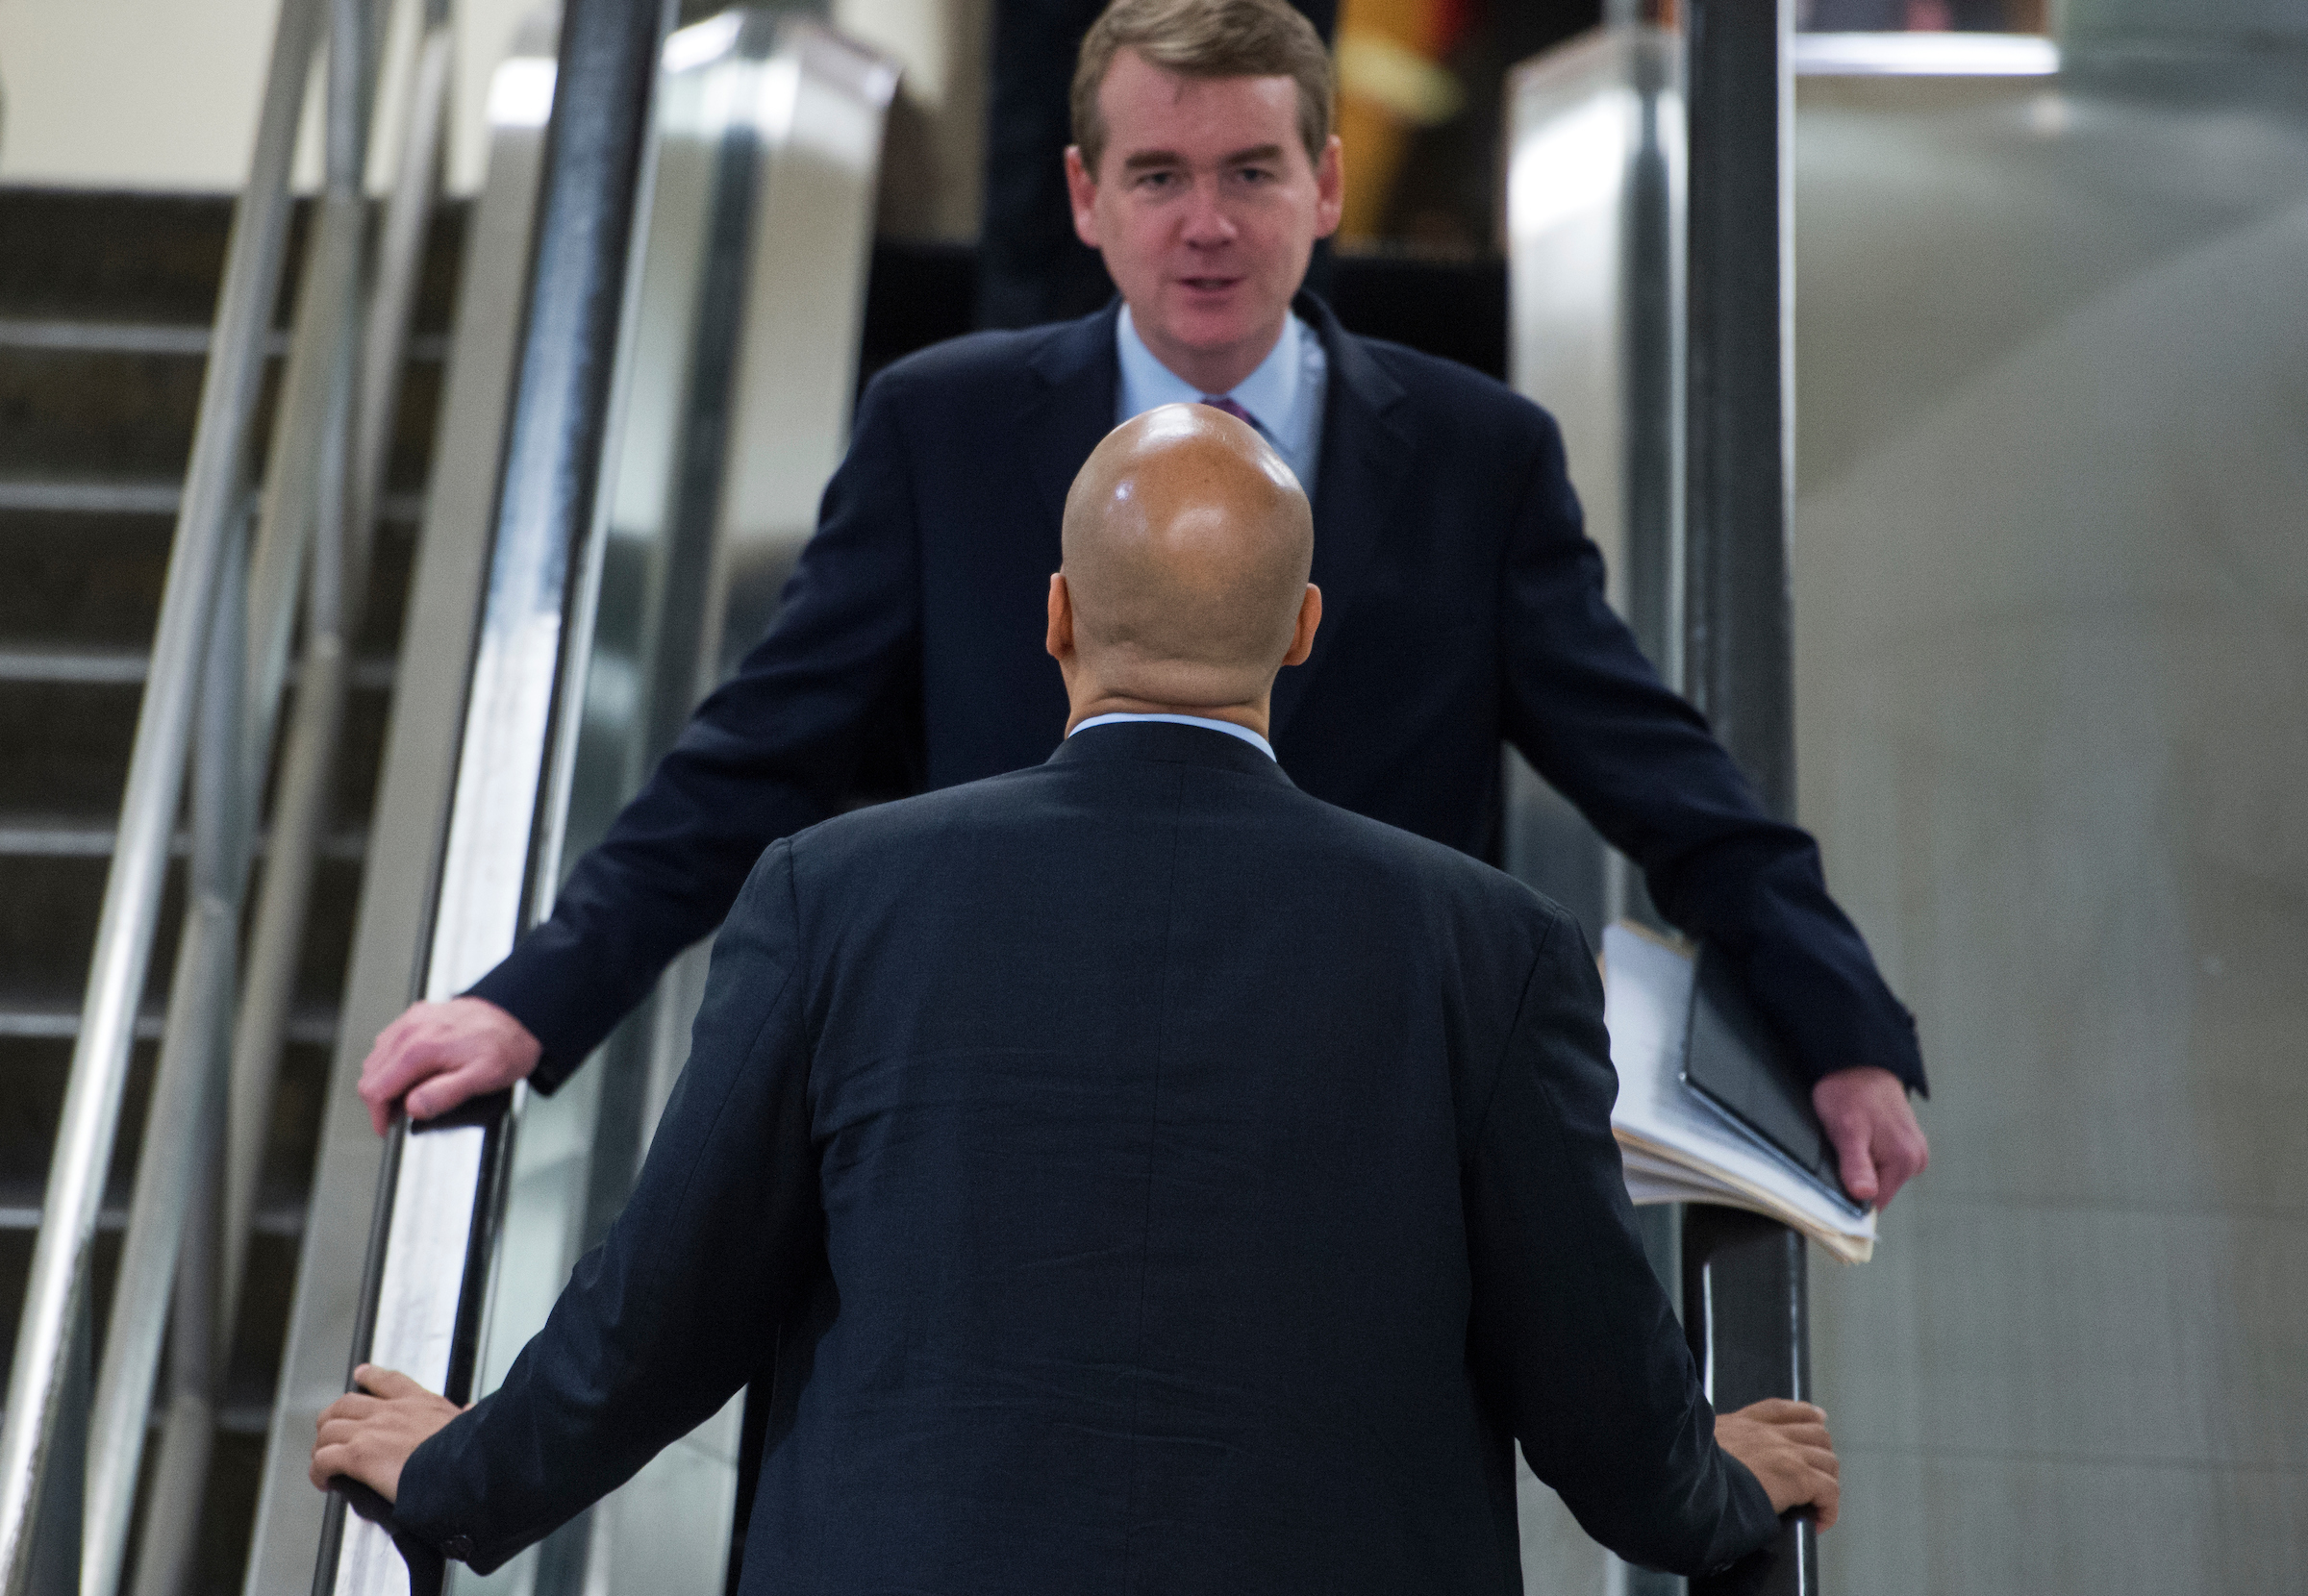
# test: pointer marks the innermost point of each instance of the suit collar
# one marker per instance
(1165, 742)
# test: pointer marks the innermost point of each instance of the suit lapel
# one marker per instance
(1070, 405)
(1365, 453)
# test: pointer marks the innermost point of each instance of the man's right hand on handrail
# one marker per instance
(438, 1055)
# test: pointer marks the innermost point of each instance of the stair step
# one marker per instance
(104, 304)
(108, 412)
(40, 1068)
(99, 254)
(88, 666)
(61, 837)
(120, 666)
(87, 562)
(149, 496)
(314, 1025)
(278, 1212)
(49, 911)
(67, 726)
(160, 338)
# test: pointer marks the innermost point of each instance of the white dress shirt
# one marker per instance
(1284, 395)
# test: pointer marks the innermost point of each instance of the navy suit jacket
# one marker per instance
(1161, 1180)
(1463, 605)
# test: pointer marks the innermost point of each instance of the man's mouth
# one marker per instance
(1210, 285)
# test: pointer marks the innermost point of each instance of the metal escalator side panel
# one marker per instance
(733, 397)
(495, 869)
(798, 339)
(484, 779)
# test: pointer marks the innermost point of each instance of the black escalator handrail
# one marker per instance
(423, 1287)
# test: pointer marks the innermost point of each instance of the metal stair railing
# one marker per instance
(409, 814)
(220, 653)
(54, 1329)
(173, 1228)
(339, 591)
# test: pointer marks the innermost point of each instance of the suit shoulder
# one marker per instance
(1437, 869)
(1468, 396)
(886, 832)
(973, 364)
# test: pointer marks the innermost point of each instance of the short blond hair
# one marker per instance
(1205, 38)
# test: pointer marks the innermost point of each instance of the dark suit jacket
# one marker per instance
(1462, 605)
(1164, 1181)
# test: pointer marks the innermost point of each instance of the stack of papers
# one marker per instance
(1676, 1147)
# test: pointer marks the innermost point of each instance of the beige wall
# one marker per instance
(164, 94)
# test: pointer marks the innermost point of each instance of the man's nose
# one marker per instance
(1208, 226)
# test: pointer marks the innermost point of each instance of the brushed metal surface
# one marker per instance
(2050, 581)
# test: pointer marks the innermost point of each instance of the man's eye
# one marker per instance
(1255, 174)
(1156, 180)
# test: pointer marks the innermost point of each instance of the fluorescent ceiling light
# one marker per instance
(1926, 55)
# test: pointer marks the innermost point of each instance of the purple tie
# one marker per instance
(1231, 409)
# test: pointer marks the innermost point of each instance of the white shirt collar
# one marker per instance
(1204, 721)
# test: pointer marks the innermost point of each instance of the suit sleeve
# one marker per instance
(1587, 710)
(1569, 1329)
(772, 751)
(678, 1307)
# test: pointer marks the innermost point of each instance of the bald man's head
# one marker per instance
(1187, 547)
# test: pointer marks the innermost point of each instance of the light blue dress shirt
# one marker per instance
(1204, 721)
(1284, 395)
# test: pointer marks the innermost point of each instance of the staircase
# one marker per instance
(103, 305)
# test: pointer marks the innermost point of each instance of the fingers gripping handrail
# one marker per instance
(91, 1110)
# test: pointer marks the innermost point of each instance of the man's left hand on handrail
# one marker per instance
(367, 1434)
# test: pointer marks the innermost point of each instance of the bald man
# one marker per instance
(1141, 1175)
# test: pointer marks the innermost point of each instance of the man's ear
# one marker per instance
(1330, 188)
(1082, 190)
(1060, 640)
(1309, 619)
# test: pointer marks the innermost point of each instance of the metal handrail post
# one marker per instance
(304, 495)
(197, 1357)
(321, 340)
(1745, 1284)
(168, 1164)
(333, 618)
(56, 1539)
(123, 951)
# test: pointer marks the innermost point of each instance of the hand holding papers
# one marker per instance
(1679, 1147)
